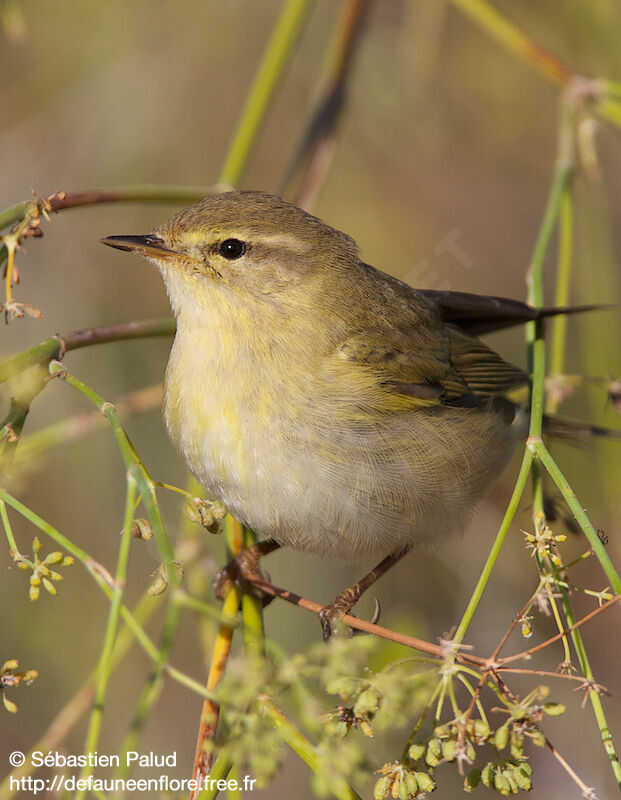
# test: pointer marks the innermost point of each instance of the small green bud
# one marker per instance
(417, 751)
(345, 687)
(553, 709)
(191, 511)
(367, 703)
(538, 738)
(470, 751)
(425, 782)
(449, 748)
(205, 513)
(381, 788)
(443, 731)
(523, 779)
(481, 730)
(8, 704)
(411, 783)
(487, 774)
(434, 752)
(161, 579)
(501, 784)
(509, 774)
(501, 737)
(517, 744)
(142, 529)
(472, 780)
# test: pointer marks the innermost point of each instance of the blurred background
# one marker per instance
(446, 139)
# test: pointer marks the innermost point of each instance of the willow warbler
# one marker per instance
(332, 407)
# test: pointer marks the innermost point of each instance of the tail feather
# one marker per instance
(562, 428)
(478, 314)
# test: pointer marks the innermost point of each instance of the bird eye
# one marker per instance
(232, 249)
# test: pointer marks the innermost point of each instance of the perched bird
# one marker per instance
(333, 408)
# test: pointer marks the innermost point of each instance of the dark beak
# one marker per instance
(148, 245)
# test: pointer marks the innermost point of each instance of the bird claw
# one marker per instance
(239, 572)
(331, 616)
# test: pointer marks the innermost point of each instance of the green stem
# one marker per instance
(133, 464)
(8, 530)
(303, 748)
(534, 332)
(12, 214)
(151, 690)
(496, 547)
(558, 335)
(509, 36)
(585, 523)
(252, 611)
(91, 565)
(104, 669)
(219, 771)
(273, 63)
(69, 715)
(558, 191)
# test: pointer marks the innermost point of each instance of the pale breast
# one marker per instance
(300, 460)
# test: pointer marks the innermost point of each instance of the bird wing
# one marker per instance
(430, 365)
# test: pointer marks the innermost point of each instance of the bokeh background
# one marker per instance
(444, 134)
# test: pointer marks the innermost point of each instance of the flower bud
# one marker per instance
(141, 529)
(416, 751)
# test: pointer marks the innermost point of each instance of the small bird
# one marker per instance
(333, 408)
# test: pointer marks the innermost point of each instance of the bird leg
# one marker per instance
(344, 602)
(242, 567)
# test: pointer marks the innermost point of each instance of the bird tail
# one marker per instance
(562, 428)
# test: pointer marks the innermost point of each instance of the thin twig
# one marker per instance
(56, 346)
(139, 193)
(587, 617)
(587, 792)
(317, 142)
(438, 651)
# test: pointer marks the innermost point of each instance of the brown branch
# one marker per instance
(560, 635)
(491, 667)
(546, 673)
(316, 147)
(139, 193)
(587, 792)
(512, 626)
(127, 194)
(210, 714)
(56, 346)
(435, 650)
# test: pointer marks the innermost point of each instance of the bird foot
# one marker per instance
(239, 572)
(331, 616)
